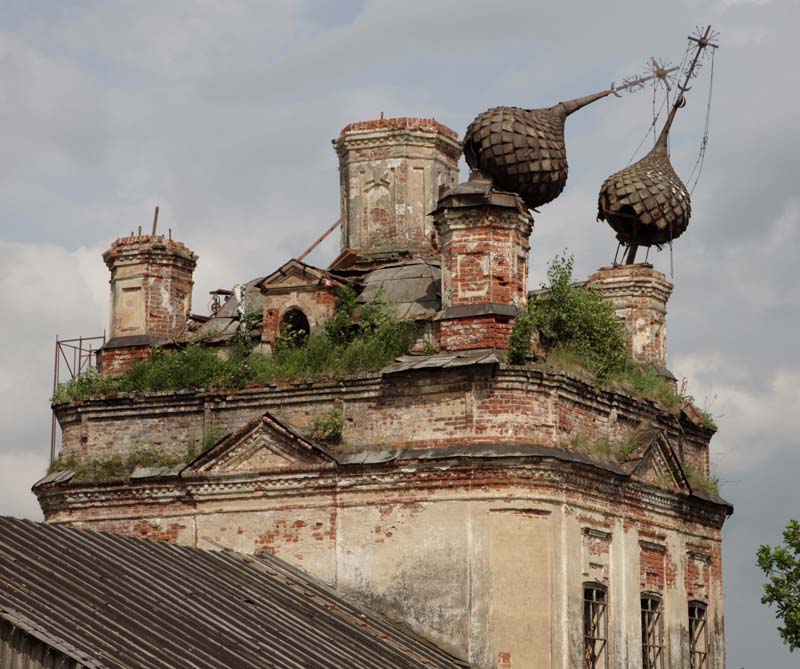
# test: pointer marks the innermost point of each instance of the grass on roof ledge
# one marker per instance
(336, 350)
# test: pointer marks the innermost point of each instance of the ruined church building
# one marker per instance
(460, 501)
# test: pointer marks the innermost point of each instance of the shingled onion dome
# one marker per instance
(523, 150)
(646, 203)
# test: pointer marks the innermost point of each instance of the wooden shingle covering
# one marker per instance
(522, 150)
(646, 203)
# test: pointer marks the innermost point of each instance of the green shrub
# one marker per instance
(333, 351)
(87, 384)
(579, 320)
(519, 344)
(329, 428)
(604, 449)
(339, 327)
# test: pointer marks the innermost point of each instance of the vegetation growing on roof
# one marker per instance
(335, 350)
(583, 336)
(605, 449)
(580, 321)
(701, 482)
(328, 428)
(114, 468)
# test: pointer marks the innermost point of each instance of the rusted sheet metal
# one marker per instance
(59, 476)
(412, 289)
(475, 452)
(442, 360)
(124, 603)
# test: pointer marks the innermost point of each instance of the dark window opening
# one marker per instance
(698, 636)
(652, 633)
(595, 626)
(295, 327)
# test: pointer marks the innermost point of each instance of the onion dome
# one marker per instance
(646, 203)
(523, 150)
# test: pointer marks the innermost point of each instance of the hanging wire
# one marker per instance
(701, 156)
(655, 87)
(647, 132)
(664, 104)
(671, 264)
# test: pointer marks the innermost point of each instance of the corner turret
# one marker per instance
(151, 296)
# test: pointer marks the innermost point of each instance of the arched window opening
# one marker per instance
(652, 633)
(295, 327)
(595, 626)
(698, 636)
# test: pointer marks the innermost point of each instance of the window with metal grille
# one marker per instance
(698, 636)
(595, 626)
(652, 633)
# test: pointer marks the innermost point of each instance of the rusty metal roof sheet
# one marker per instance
(58, 476)
(442, 360)
(412, 288)
(475, 451)
(225, 323)
(122, 603)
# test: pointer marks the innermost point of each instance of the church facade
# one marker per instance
(461, 500)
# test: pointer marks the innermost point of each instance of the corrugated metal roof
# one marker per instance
(123, 603)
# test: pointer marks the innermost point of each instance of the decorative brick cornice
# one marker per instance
(639, 280)
(559, 480)
(154, 248)
(399, 123)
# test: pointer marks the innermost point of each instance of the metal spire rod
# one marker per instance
(577, 103)
(320, 240)
(703, 41)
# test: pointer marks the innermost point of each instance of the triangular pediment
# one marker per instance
(296, 274)
(260, 445)
(654, 461)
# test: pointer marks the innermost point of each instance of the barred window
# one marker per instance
(652, 633)
(698, 636)
(595, 626)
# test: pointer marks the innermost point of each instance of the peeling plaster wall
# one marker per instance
(392, 172)
(487, 561)
(151, 285)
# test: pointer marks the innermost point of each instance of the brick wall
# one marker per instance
(117, 360)
(317, 305)
(475, 333)
(420, 409)
(394, 535)
(639, 295)
(392, 172)
(151, 285)
(483, 236)
(484, 257)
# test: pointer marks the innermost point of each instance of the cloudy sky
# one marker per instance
(222, 113)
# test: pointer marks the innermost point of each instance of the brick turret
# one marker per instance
(151, 296)
(639, 294)
(483, 235)
(392, 172)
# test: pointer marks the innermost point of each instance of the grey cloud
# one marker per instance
(222, 113)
